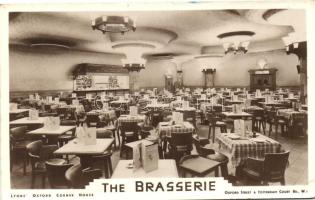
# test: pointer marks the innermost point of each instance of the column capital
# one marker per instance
(132, 67)
(209, 71)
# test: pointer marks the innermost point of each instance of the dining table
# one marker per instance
(26, 121)
(166, 169)
(238, 148)
(85, 151)
(18, 113)
(51, 132)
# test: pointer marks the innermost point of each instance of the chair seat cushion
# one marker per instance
(251, 173)
(219, 157)
(220, 123)
(129, 133)
(110, 127)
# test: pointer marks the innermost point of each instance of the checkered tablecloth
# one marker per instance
(239, 150)
(129, 118)
(164, 129)
(288, 113)
(251, 109)
(109, 114)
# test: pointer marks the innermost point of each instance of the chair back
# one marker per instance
(199, 143)
(18, 133)
(104, 133)
(156, 117)
(78, 178)
(92, 119)
(275, 165)
(56, 174)
(34, 148)
(68, 123)
(129, 127)
(189, 114)
(181, 142)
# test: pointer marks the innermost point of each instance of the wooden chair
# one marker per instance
(190, 116)
(211, 154)
(298, 125)
(270, 169)
(106, 156)
(274, 120)
(215, 120)
(56, 174)
(129, 133)
(180, 144)
(78, 177)
(65, 138)
(156, 117)
(18, 143)
(39, 153)
(259, 120)
(198, 166)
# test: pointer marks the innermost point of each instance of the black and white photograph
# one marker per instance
(157, 94)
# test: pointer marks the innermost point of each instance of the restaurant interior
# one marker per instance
(158, 94)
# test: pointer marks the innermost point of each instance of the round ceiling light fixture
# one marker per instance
(113, 24)
(236, 42)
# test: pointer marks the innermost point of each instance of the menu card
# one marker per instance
(13, 106)
(185, 104)
(121, 98)
(90, 136)
(136, 155)
(37, 97)
(133, 110)
(49, 99)
(75, 102)
(74, 95)
(258, 93)
(51, 123)
(242, 126)
(56, 100)
(146, 156)
(137, 93)
(234, 97)
(291, 96)
(126, 96)
(33, 114)
(88, 96)
(236, 108)
(203, 96)
(178, 117)
(31, 97)
(178, 98)
(247, 103)
(145, 96)
(105, 106)
(150, 157)
(86, 136)
(248, 96)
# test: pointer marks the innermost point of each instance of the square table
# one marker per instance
(239, 149)
(181, 109)
(18, 111)
(200, 166)
(130, 118)
(74, 147)
(47, 132)
(237, 115)
(166, 129)
(25, 121)
(166, 169)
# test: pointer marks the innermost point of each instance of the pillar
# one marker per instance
(209, 77)
(179, 79)
(300, 49)
(134, 71)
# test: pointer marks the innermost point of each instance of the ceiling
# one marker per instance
(158, 34)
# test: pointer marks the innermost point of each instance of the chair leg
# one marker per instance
(110, 166)
(43, 181)
(224, 170)
(105, 168)
(33, 180)
(282, 182)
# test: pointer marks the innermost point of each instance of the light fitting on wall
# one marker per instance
(134, 65)
(113, 24)
(236, 42)
(236, 47)
(294, 43)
